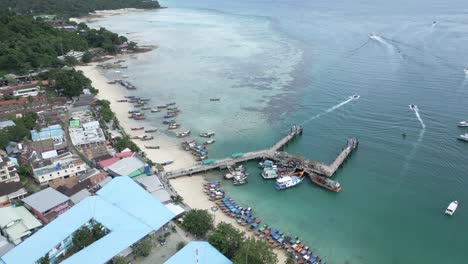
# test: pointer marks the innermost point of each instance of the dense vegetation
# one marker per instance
(68, 82)
(198, 222)
(255, 251)
(105, 110)
(70, 8)
(19, 132)
(124, 142)
(28, 43)
(226, 239)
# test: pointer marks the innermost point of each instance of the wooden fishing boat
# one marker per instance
(325, 183)
(151, 147)
(137, 128)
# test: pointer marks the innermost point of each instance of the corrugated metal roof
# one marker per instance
(207, 254)
(122, 206)
(126, 166)
(45, 199)
(48, 132)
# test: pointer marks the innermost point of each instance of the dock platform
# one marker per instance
(273, 153)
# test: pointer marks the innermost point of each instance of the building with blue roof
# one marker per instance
(122, 207)
(198, 252)
(54, 132)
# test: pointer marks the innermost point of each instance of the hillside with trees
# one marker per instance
(28, 43)
(71, 8)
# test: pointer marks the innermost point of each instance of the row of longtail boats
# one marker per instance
(244, 215)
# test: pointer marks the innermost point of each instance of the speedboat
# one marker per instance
(211, 141)
(183, 134)
(451, 208)
(372, 35)
(155, 110)
(466, 70)
(463, 124)
(354, 97)
(413, 107)
(463, 137)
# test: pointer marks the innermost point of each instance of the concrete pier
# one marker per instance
(274, 154)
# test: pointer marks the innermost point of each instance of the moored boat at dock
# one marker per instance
(183, 134)
(155, 110)
(209, 142)
(325, 183)
(286, 182)
(173, 126)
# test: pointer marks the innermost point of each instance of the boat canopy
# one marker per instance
(208, 161)
(237, 155)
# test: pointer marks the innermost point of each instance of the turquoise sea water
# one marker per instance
(275, 63)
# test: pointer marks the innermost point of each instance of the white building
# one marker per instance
(34, 91)
(60, 167)
(8, 171)
(87, 133)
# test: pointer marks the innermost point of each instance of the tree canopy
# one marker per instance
(255, 251)
(70, 8)
(20, 131)
(68, 82)
(226, 239)
(198, 222)
(29, 43)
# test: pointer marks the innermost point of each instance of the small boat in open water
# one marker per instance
(451, 208)
(214, 99)
(137, 128)
(326, 183)
(463, 124)
(413, 107)
(151, 130)
(463, 137)
(354, 97)
(209, 142)
(207, 134)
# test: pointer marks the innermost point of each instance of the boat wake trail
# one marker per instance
(329, 110)
(416, 145)
(416, 112)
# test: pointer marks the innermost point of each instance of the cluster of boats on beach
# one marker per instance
(289, 174)
(238, 175)
(244, 217)
(198, 150)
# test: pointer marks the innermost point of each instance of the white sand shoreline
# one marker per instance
(169, 147)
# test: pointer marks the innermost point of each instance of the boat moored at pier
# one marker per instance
(325, 183)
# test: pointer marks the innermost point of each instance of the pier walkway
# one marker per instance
(274, 154)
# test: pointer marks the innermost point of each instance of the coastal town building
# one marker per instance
(78, 55)
(6, 124)
(11, 192)
(5, 246)
(86, 134)
(132, 166)
(62, 166)
(17, 223)
(199, 251)
(47, 204)
(122, 207)
(8, 171)
(29, 104)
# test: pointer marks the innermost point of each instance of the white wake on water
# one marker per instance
(417, 144)
(329, 110)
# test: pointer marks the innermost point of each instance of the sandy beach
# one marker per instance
(169, 147)
(191, 189)
(99, 14)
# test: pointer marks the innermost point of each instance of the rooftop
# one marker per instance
(121, 206)
(7, 123)
(200, 250)
(87, 133)
(16, 222)
(7, 188)
(45, 200)
(150, 183)
(127, 166)
(54, 131)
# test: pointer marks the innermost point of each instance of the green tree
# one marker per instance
(180, 245)
(81, 238)
(71, 61)
(44, 260)
(177, 199)
(69, 82)
(25, 170)
(125, 142)
(105, 110)
(87, 57)
(143, 248)
(4, 139)
(97, 231)
(198, 222)
(226, 239)
(255, 251)
(119, 260)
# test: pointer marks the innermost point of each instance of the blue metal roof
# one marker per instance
(205, 253)
(122, 206)
(47, 132)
